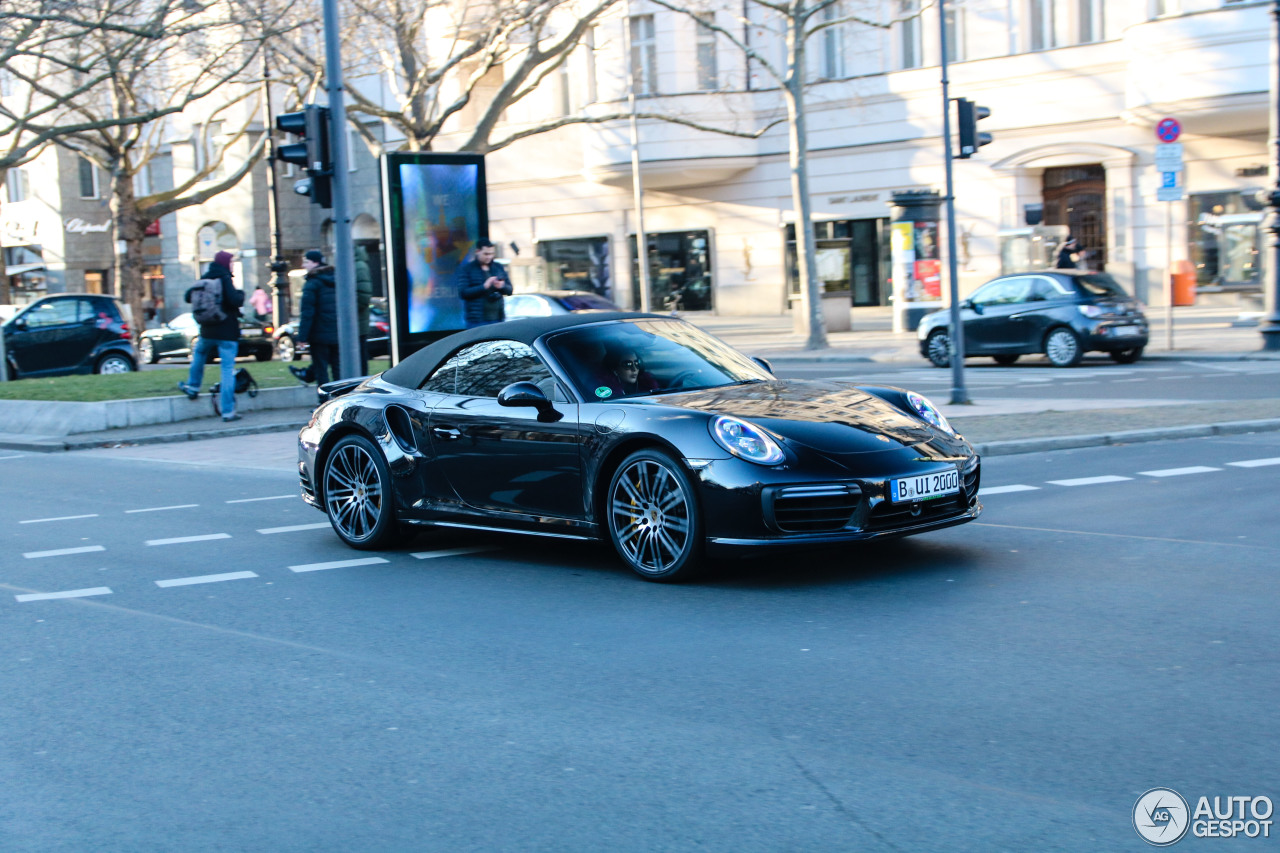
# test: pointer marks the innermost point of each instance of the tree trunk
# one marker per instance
(6, 295)
(130, 228)
(806, 247)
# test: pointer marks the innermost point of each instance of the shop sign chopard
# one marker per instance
(79, 226)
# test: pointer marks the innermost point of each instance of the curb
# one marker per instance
(1073, 442)
(54, 445)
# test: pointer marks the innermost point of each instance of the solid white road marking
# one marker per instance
(1178, 472)
(338, 564)
(71, 593)
(272, 498)
(1256, 463)
(1090, 481)
(291, 528)
(59, 518)
(228, 576)
(163, 508)
(178, 540)
(15, 456)
(62, 552)
(1000, 490)
(451, 552)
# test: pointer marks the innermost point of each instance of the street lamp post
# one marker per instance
(1270, 326)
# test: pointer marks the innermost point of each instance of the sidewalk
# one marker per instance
(994, 426)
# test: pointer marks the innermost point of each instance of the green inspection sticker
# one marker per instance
(604, 391)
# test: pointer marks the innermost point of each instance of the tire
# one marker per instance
(653, 518)
(356, 490)
(114, 362)
(1062, 347)
(1004, 360)
(286, 350)
(147, 350)
(937, 348)
(1126, 356)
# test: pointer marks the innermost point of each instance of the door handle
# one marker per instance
(446, 433)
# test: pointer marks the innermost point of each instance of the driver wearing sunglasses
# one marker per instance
(629, 373)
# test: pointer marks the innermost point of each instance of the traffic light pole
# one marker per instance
(344, 263)
(278, 267)
(959, 394)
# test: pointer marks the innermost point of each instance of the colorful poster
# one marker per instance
(929, 274)
(442, 223)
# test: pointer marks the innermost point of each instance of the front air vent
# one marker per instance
(812, 509)
(400, 425)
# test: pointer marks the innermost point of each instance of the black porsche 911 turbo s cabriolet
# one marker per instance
(637, 429)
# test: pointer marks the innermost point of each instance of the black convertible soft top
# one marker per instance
(415, 369)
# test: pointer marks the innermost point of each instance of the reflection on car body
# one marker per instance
(510, 427)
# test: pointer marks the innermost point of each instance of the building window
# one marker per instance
(679, 271)
(1160, 8)
(564, 90)
(17, 185)
(909, 46)
(832, 56)
(1226, 234)
(591, 65)
(852, 258)
(708, 75)
(88, 178)
(1041, 24)
(580, 263)
(955, 40)
(644, 55)
(353, 145)
(1089, 21)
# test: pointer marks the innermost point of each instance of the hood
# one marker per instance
(325, 274)
(830, 417)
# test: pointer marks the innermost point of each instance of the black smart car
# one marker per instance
(70, 333)
(634, 429)
(1061, 313)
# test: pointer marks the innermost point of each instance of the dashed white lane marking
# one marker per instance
(62, 552)
(1000, 490)
(1141, 379)
(1178, 472)
(337, 564)
(162, 508)
(1090, 481)
(15, 456)
(178, 540)
(1256, 463)
(71, 593)
(59, 518)
(294, 527)
(272, 498)
(451, 552)
(227, 576)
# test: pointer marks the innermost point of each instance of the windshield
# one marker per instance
(641, 357)
(1099, 284)
(587, 302)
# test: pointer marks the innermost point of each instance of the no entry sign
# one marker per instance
(1168, 129)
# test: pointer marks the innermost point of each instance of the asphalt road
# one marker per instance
(1108, 626)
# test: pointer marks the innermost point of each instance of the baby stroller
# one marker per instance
(245, 383)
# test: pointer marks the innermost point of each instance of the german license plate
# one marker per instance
(1126, 331)
(924, 487)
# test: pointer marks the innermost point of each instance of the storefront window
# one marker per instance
(578, 264)
(1225, 237)
(680, 274)
(850, 257)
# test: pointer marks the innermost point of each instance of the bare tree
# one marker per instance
(794, 22)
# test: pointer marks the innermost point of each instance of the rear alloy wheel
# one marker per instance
(285, 348)
(1127, 356)
(1063, 348)
(1004, 360)
(147, 350)
(114, 363)
(938, 348)
(653, 517)
(356, 486)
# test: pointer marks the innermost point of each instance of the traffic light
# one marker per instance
(312, 153)
(968, 114)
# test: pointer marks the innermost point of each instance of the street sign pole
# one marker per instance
(1168, 275)
(959, 393)
(1169, 165)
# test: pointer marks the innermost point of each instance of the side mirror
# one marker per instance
(967, 304)
(763, 362)
(526, 394)
(19, 325)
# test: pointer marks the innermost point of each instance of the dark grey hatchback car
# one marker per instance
(70, 333)
(1061, 313)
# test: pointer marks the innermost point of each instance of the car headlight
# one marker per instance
(928, 412)
(746, 441)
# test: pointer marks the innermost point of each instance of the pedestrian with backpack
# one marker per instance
(215, 304)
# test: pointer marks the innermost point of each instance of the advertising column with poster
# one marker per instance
(916, 259)
(434, 212)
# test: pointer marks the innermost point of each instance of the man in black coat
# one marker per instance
(482, 284)
(318, 320)
(220, 339)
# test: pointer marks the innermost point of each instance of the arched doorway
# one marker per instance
(1076, 196)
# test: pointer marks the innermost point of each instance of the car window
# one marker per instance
(1043, 290)
(1099, 284)
(56, 312)
(484, 369)
(1006, 291)
(587, 302)
(184, 321)
(525, 306)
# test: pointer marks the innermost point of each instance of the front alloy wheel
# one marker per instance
(357, 494)
(653, 517)
(938, 348)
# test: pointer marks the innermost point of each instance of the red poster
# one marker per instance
(929, 274)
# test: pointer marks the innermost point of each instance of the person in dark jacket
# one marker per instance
(364, 296)
(221, 339)
(318, 320)
(482, 284)
(1066, 261)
